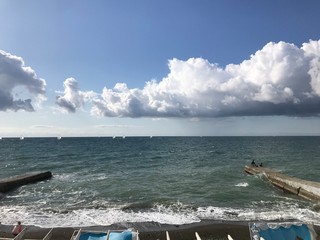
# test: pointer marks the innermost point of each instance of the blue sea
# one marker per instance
(169, 180)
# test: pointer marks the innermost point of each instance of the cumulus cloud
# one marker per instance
(279, 79)
(19, 84)
(72, 98)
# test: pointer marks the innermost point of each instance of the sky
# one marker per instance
(159, 68)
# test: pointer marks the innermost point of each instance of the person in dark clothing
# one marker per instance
(253, 163)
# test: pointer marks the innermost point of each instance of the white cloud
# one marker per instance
(20, 88)
(312, 50)
(72, 98)
(279, 79)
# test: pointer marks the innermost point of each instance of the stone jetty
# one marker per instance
(303, 188)
(14, 182)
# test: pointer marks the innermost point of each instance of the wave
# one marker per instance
(175, 214)
(243, 184)
(99, 181)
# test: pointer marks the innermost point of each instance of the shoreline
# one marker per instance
(207, 229)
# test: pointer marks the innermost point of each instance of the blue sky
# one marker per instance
(105, 68)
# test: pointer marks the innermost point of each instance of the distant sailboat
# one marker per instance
(59, 138)
(22, 137)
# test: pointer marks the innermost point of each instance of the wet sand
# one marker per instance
(151, 231)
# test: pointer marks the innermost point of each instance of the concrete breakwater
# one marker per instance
(303, 188)
(11, 183)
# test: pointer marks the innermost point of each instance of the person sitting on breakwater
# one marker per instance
(17, 229)
(253, 164)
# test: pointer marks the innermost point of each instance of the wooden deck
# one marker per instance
(303, 188)
(12, 183)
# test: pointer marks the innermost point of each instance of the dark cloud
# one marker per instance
(14, 74)
(65, 104)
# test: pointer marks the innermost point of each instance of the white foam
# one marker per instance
(89, 217)
(65, 177)
(243, 184)
(175, 214)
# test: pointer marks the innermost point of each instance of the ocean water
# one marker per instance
(173, 180)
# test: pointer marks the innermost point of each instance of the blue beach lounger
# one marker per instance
(93, 236)
(282, 231)
(123, 235)
(89, 235)
(109, 235)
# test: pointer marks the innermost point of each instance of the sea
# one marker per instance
(100, 181)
